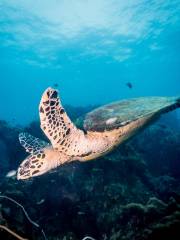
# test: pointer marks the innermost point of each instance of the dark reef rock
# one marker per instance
(4, 158)
(131, 194)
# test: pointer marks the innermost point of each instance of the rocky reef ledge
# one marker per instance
(131, 194)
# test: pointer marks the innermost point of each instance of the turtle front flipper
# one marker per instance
(30, 143)
(62, 133)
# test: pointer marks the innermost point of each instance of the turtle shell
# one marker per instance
(117, 114)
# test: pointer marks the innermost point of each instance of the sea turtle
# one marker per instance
(104, 129)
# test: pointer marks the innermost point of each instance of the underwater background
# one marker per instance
(94, 52)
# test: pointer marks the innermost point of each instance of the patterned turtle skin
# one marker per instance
(106, 127)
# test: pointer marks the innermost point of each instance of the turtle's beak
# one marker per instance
(23, 170)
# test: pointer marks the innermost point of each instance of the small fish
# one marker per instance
(11, 173)
(81, 213)
(162, 126)
(129, 85)
(56, 85)
(41, 201)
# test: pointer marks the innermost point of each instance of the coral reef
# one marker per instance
(131, 194)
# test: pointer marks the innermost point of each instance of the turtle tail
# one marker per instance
(173, 103)
(178, 102)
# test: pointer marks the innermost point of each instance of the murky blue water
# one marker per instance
(94, 52)
(91, 49)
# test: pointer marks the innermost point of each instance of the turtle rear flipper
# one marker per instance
(30, 143)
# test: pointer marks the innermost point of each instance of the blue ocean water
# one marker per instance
(90, 49)
(94, 52)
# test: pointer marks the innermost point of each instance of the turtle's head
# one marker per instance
(38, 163)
